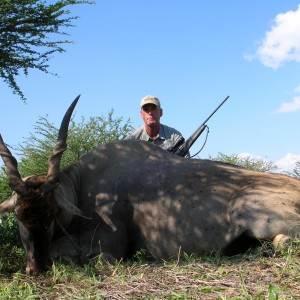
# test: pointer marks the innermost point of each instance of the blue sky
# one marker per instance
(191, 54)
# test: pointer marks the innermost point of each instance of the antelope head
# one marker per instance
(33, 200)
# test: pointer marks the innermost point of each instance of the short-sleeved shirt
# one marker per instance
(166, 138)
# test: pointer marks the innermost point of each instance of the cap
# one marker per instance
(150, 100)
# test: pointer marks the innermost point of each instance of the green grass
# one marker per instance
(257, 274)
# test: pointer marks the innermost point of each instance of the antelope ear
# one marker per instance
(9, 204)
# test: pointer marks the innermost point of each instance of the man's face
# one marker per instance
(151, 114)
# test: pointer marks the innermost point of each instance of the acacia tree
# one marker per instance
(25, 30)
(247, 162)
(82, 137)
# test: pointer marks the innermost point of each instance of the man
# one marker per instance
(152, 130)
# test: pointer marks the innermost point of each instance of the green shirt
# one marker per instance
(166, 138)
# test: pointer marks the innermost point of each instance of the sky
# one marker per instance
(191, 55)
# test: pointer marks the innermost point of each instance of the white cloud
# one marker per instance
(249, 155)
(282, 43)
(288, 162)
(289, 106)
(297, 89)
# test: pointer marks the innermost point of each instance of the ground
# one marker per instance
(257, 274)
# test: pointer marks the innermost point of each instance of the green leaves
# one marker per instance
(82, 137)
(25, 30)
(273, 292)
(247, 162)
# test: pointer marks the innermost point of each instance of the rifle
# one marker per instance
(181, 147)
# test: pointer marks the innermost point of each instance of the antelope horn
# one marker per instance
(61, 145)
(14, 178)
(9, 204)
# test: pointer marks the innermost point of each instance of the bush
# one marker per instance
(259, 165)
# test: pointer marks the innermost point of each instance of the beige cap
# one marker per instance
(150, 100)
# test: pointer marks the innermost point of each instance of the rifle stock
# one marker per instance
(181, 147)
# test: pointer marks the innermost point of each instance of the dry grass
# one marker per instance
(249, 276)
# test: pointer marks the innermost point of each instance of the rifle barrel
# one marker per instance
(215, 110)
(184, 148)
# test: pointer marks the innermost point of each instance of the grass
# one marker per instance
(257, 274)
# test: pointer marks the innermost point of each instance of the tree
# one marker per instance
(247, 162)
(25, 30)
(82, 137)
